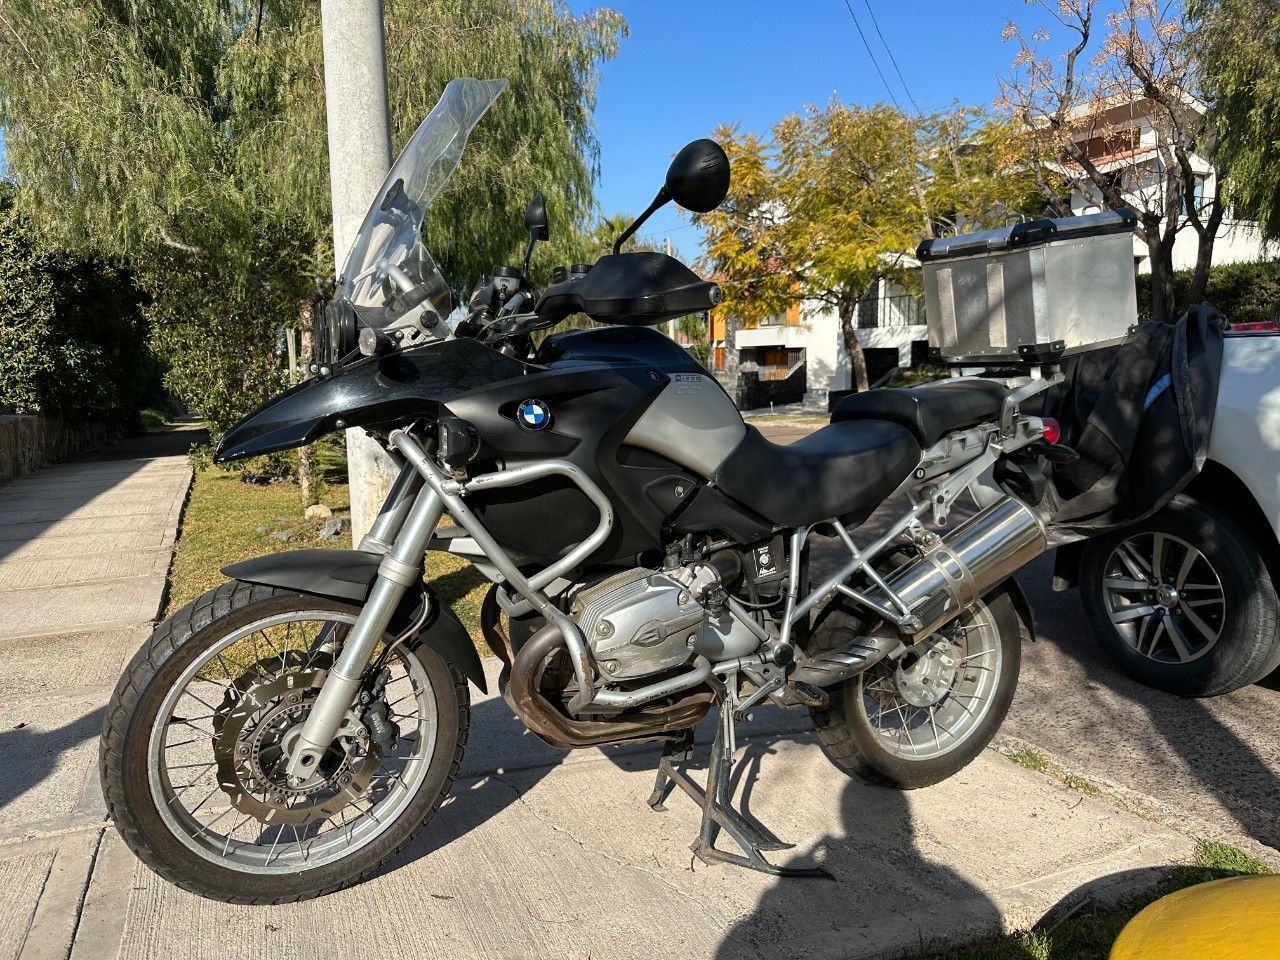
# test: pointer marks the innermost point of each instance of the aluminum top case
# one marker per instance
(1030, 293)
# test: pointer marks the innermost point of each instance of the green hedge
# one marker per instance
(1243, 292)
(73, 337)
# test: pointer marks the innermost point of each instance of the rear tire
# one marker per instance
(127, 750)
(1246, 647)
(855, 745)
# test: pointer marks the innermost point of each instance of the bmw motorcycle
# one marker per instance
(287, 733)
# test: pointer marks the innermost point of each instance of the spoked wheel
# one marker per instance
(917, 720)
(199, 733)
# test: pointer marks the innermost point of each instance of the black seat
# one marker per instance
(930, 411)
(842, 470)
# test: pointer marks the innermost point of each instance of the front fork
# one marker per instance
(406, 522)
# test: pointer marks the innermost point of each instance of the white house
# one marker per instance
(807, 341)
(1123, 142)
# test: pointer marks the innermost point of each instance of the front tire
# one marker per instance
(274, 842)
(873, 731)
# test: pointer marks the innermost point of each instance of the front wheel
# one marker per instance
(919, 719)
(197, 733)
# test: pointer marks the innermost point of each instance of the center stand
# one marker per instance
(716, 802)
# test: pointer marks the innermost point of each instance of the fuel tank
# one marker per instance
(596, 385)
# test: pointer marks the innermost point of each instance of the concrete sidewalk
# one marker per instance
(537, 853)
(84, 552)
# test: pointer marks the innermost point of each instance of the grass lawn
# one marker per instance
(1088, 933)
(228, 520)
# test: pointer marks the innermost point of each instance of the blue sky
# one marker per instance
(688, 66)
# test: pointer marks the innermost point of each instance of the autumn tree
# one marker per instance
(835, 199)
(1079, 105)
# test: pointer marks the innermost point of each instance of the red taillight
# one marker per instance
(1052, 432)
(1259, 326)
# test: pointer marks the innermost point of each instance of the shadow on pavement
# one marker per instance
(1078, 705)
(28, 757)
(56, 492)
(870, 847)
(871, 852)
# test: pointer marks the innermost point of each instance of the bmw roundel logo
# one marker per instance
(533, 415)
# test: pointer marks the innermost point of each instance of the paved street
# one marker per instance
(539, 853)
(1214, 763)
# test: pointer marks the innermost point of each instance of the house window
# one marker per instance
(717, 359)
(793, 315)
(1201, 205)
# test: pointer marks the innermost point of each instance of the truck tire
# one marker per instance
(1183, 601)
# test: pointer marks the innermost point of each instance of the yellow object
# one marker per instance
(1233, 919)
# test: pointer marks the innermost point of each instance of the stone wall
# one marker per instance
(28, 443)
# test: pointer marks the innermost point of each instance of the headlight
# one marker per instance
(335, 334)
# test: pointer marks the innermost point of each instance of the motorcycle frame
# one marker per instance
(423, 492)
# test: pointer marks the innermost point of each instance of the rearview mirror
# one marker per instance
(698, 178)
(535, 218)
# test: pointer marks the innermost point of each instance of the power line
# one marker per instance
(892, 59)
(874, 62)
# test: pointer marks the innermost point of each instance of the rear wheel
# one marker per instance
(1183, 601)
(918, 720)
(198, 732)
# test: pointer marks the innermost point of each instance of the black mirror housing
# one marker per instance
(535, 218)
(698, 178)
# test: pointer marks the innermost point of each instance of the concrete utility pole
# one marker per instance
(355, 94)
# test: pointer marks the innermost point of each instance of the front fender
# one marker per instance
(348, 575)
(378, 391)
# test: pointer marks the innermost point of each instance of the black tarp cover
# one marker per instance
(1140, 414)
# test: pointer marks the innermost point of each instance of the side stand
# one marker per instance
(716, 802)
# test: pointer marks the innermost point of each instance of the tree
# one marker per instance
(189, 136)
(1237, 43)
(839, 198)
(73, 333)
(1076, 142)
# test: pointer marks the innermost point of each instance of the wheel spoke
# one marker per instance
(1155, 636)
(1157, 554)
(1132, 612)
(1125, 584)
(1137, 566)
(1188, 561)
(1181, 644)
(1194, 619)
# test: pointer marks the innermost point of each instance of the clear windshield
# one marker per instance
(388, 257)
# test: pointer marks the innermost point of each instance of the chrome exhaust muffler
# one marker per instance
(963, 565)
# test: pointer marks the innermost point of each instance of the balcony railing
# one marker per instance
(903, 310)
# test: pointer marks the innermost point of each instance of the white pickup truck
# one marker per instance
(1186, 601)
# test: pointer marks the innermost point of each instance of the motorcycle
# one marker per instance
(289, 732)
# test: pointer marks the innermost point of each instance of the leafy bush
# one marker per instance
(73, 338)
(1243, 292)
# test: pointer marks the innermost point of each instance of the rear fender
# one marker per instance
(348, 575)
(1021, 606)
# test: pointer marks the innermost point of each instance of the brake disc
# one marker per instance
(253, 734)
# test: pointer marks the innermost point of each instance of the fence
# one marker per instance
(903, 310)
